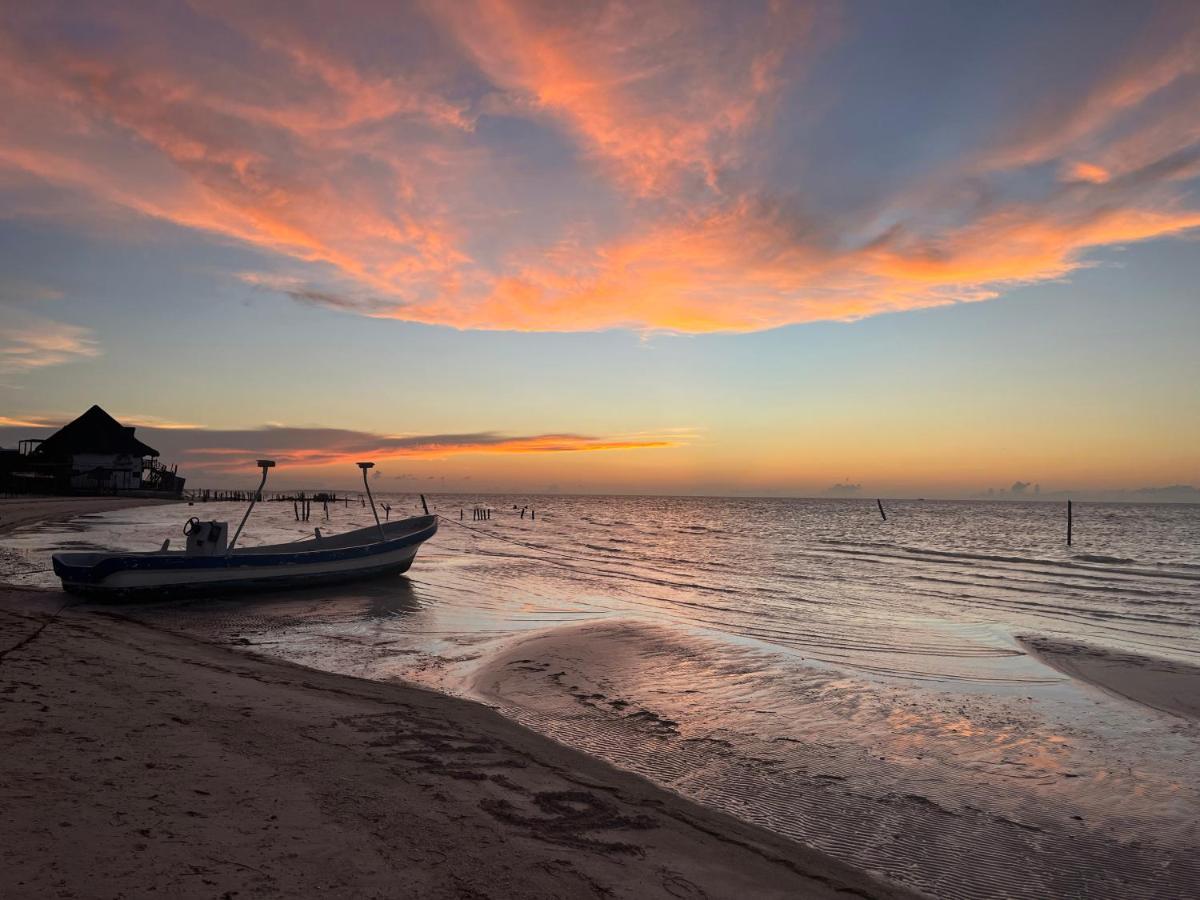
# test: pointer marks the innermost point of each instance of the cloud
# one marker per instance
(563, 167)
(145, 421)
(661, 95)
(843, 490)
(201, 449)
(29, 342)
(24, 422)
(134, 419)
(1084, 171)
(1137, 107)
(1178, 493)
(226, 450)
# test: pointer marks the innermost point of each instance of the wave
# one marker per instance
(920, 552)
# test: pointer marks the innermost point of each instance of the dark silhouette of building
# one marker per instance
(94, 453)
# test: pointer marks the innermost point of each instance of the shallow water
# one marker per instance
(852, 683)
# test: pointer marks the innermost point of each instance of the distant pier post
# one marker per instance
(1070, 516)
(882, 514)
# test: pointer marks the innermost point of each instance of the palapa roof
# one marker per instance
(94, 432)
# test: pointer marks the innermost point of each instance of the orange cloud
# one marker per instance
(150, 134)
(27, 422)
(370, 179)
(753, 265)
(309, 447)
(656, 92)
(1083, 171)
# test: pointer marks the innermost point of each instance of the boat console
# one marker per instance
(206, 538)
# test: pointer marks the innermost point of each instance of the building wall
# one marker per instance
(120, 472)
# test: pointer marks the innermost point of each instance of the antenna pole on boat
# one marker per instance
(364, 466)
(263, 464)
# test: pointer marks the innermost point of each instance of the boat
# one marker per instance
(211, 563)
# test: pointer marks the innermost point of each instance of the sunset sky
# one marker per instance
(915, 247)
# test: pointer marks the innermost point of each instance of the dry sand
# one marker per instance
(1161, 684)
(135, 762)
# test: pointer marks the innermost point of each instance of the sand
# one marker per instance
(30, 510)
(1165, 685)
(136, 762)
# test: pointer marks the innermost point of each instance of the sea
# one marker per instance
(864, 686)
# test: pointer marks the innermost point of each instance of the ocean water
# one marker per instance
(856, 684)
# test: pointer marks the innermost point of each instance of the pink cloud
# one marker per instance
(369, 177)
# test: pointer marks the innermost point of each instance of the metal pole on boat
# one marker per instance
(364, 466)
(263, 464)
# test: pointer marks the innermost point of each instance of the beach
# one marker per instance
(19, 511)
(138, 761)
(746, 696)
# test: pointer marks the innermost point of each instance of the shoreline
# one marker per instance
(142, 761)
(17, 512)
(1153, 683)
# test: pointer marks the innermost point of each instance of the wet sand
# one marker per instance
(1161, 684)
(30, 510)
(137, 762)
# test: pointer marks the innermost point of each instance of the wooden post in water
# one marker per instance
(879, 503)
(1069, 517)
(424, 505)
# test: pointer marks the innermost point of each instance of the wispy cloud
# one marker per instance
(24, 422)
(233, 450)
(145, 421)
(30, 342)
(522, 166)
(659, 94)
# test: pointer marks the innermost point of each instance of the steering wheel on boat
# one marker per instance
(190, 525)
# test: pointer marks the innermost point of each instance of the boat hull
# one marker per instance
(343, 558)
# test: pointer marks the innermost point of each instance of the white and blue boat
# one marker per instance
(210, 563)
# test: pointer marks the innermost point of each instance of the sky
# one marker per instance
(877, 248)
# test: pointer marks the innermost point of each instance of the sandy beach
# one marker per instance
(137, 762)
(15, 512)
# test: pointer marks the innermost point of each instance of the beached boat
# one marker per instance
(209, 563)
